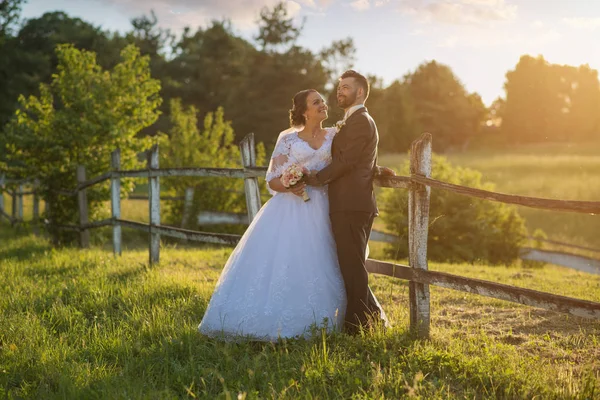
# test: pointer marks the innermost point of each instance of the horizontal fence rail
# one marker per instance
(206, 237)
(258, 172)
(5, 215)
(99, 179)
(529, 297)
(585, 207)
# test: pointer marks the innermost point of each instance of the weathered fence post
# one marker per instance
(84, 234)
(47, 211)
(248, 151)
(2, 188)
(20, 202)
(418, 221)
(115, 200)
(187, 205)
(13, 211)
(36, 208)
(154, 204)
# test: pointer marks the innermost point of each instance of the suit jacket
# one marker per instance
(354, 160)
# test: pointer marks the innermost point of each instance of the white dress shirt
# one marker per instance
(351, 110)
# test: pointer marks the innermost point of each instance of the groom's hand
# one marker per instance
(311, 179)
(385, 171)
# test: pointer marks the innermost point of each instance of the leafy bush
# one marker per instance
(461, 228)
(79, 119)
(213, 147)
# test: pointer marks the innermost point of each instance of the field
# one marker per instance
(83, 324)
(555, 171)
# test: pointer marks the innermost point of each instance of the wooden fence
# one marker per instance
(419, 185)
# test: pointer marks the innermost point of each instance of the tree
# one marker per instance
(550, 102)
(152, 41)
(79, 119)
(275, 28)
(443, 106)
(337, 58)
(210, 68)
(496, 112)
(214, 68)
(534, 105)
(10, 13)
(32, 58)
(147, 35)
(395, 115)
(268, 91)
(213, 146)
(583, 118)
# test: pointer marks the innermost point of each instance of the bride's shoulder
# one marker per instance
(288, 137)
(291, 135)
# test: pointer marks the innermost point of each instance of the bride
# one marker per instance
(283, 277)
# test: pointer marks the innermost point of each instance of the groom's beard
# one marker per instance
(346, 101)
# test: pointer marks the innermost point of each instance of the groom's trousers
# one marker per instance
(351, 230)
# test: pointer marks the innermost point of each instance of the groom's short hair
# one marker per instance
(360, 79)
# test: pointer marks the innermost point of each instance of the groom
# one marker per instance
(352, 206)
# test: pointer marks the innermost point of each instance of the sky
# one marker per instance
(479, 39)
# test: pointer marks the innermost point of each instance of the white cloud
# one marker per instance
(315, 5)
(176, 14)
(360, 5)
(293, 8)
(487, 39)
(588, 24)
(537, 24)
(547, 37)
(308, 3)
(459, 12)
(492, 3)
(449, 42)
(325, 3)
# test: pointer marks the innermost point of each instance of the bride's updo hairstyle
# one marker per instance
(299, 108)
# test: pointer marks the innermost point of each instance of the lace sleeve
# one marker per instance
(280, 160)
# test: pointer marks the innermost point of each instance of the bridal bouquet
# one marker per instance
(292, 176)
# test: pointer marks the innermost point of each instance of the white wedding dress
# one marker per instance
(283, 276)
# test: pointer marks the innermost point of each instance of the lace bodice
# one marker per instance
(291, 149)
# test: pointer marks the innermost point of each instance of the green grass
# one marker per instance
(84, 324)
(556, 171)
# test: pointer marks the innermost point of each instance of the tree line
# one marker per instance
(254, 80)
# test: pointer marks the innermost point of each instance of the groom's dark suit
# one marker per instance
(352, 208)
